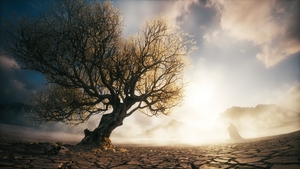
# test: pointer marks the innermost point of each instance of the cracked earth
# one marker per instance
(276, 152)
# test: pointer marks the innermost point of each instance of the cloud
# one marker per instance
(15, 85)
(271, 25)
(292, 99)
(211, 37)
(135, 13)
(8, 63)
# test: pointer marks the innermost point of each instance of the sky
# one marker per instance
(248, 54)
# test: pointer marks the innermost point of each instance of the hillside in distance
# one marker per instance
(262, 119)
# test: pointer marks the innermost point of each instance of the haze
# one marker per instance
(248, 54)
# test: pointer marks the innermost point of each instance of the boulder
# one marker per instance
(55, 149)
(233, 133)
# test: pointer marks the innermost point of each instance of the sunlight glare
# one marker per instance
(201, 102)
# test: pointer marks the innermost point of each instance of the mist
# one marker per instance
(259, 121)
(187, 125)
(169, 132)
(262, 120)
(197, 124)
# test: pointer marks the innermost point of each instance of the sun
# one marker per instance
(201, 108)
(202, 93)
(201, 103)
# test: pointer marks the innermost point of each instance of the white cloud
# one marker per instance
(135, 13)
(8, 63)
(268, 24)
(179, 8)
(211, 37)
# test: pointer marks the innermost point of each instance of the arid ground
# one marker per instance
(276, 152)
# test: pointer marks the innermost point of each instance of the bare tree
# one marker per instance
(90, 68)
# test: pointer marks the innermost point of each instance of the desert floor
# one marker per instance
(276, 152)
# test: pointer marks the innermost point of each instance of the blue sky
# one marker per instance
(248, 51)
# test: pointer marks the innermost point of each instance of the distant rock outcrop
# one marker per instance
(233, 133)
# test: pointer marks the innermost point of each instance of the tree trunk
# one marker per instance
(100, 135)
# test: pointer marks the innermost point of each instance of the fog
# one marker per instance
(186, 126)
(262, 120)
(204, 123)
(20, 133)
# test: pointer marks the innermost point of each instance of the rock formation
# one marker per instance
(233, 133)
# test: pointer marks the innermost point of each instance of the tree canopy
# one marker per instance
(91, 68)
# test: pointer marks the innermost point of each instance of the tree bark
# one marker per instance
(100, 135)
